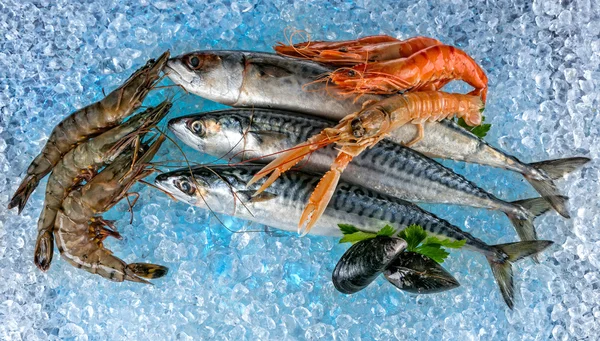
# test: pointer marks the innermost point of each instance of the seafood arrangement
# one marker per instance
(321, 134)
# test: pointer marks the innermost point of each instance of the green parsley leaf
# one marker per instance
(347, 228)
(353, 235)
(387, 230)
(479, 131)
(357, 237)
(433, 251)
(456, 244)
(413, 235)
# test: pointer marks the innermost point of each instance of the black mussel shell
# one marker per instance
(364, 261)
(419, 274)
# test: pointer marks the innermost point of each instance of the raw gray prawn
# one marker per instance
(87, 122)
(81, 163)
(80, 231)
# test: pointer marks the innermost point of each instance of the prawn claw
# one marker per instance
(288, 160)
(276, 174)
(320, 197)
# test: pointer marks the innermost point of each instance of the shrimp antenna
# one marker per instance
(236, 197)
(137, 196)
(286, 50)
(244, 135)
(158, 188)
(197, 185)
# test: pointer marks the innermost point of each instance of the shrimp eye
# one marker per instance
(197, 128)
(357, 128)
(194, 62)
(351, 73)
(185, 186)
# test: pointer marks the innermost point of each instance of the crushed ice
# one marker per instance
(542, 60)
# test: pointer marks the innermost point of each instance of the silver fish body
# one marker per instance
(223, 189)
(389, 168)
(282, 205)
(254, 79)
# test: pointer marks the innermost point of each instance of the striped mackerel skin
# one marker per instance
(258, 79)
(287, 197)
(387, 168)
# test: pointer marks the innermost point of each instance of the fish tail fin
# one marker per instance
(522, 220)
(527, 210)
(552, 170)
(501, 263)
(558, 168)
(23, 193)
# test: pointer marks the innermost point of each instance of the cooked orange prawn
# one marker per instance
(349, 54)
(364, 129)
(81, 163)
(428, 69)
(88, 122)
(310, 49)
(80, 232)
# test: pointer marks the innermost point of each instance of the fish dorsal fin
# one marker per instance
(248, 196)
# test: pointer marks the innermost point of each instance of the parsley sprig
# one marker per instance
(414, 235)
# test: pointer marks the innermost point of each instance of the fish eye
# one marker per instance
(197, 128)
(194, 62)
(185, 186)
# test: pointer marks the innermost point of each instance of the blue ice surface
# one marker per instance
(542, 61)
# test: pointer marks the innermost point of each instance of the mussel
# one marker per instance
(419, 274)
(364, 261)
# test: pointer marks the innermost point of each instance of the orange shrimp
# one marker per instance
(424, 70)
(310, 49)
(352, 55)
(361, 130)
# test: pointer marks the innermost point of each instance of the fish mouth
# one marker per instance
(180, 127)
(165, 183)
(177, 123)
(176, 71)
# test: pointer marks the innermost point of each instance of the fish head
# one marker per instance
(213, 133)
(202, 187)
(214, 75)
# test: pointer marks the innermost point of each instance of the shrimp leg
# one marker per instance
(420, 135)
